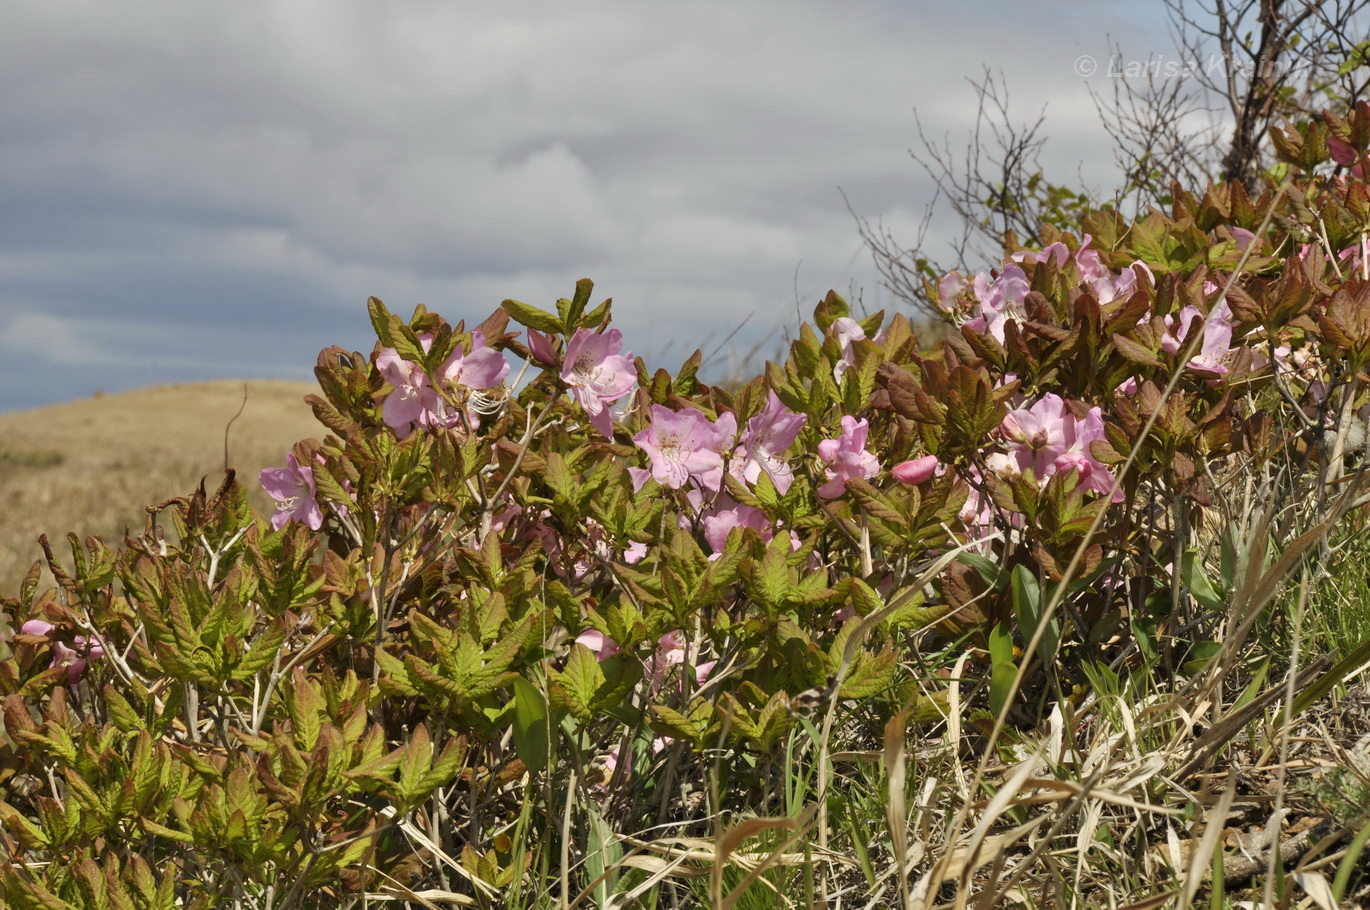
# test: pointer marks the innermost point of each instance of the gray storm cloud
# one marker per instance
(193, 190)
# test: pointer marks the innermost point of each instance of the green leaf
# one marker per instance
(417, 759)
(598, 316)
(1000, 685)
(579, 300)
(1135, 353)
(576, 686)
(989, 571)
(1002, 668)
(146, 770)
(533, 317)
(1201, 654)
(380, 320)
(672, 723)
(870, 674)
(532, 730)
(1027, 607)
(1196, 582)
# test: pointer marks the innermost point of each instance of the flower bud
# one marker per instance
(916, 471)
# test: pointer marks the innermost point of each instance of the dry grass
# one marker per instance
(91, 466)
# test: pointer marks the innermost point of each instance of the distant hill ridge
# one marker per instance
(92, 465)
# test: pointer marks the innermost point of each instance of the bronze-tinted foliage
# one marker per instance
(488, 605)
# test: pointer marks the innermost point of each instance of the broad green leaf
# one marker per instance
(533, 317)
(1027, 607)
(1196, 582)
(532, 730)
(575, 687)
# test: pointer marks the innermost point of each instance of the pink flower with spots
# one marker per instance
(598, 374)
(767, 436)
(684, 445)
(1000, 301)
(413, 394)
(847, 457)
(416, 400)
(76, 660)
(293, 489)
(1048, 439)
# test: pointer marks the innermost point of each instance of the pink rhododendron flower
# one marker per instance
(1047, 439)
(293, 489)
(540, 346)
(948, 290)
(1217, 338)
(415, 400)
(1358, 256)
(480, 368)
(847, 457)
(916, 471)
(603, 646)
(727, 514)
(846, 330)
(598, 374)
(76, 660)
(684, 445)
(1057, 251)
(977, 512)
(1001, 300)
(412, 395)
(639, 477)
(1243, 237)
(768, 434)
(1107, 286)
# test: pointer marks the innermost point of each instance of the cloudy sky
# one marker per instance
(194, 190)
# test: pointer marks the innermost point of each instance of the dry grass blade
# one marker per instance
(413, 831)
(896, 812)
(1151, 903)
(1071, 789)
(1316, 887)
(747, 829)
(699, 850)
(429, 898)
(961, 862)
(1218, 735)
(1202, 858)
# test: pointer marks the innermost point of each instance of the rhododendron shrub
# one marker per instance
(478, 607)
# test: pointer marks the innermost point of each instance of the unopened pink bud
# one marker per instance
(916, 471)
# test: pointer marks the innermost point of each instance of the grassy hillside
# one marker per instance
(91, 466)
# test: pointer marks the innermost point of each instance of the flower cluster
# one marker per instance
(417, 399)
(1048, 439)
